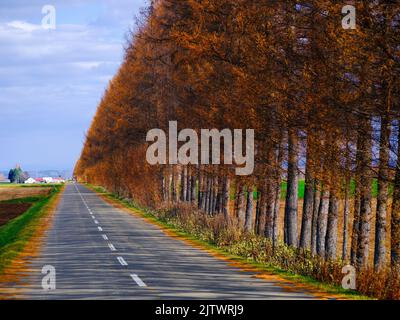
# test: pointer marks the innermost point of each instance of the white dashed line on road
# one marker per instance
(122, 261)
(138, 281)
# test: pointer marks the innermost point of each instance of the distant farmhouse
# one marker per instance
(47, 180)
(30, 181)
(53, 180)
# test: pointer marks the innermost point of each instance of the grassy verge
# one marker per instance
(17, 233)
(305, 282)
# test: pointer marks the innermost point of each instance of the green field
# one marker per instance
(301, 189)
(352, 188)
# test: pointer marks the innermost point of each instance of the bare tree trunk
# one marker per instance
(210, 194)
(177, 185)
(292, 192)
(220, 197)
(207, 193)
(183, 184)
(395, 218)
(200, 194)
(175, 188)
(269, 207)
(314, 226)
(189, 185)
(262, 206)
(226, 198)
(357, 203)
(249, 210)
(241, 205)
(381, 206)
(170, 185)
(267, 200)
(193, 188)
(346, 213)
(277, 193)
(332, 228)
(236, 200)
(214, 195)
(257, 220)
(305, 235)
(356, 227)
(163, 186)
(365, 199)
(277, 209)
(322, 222)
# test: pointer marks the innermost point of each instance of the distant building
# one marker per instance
(48, 180)
(51, 180)
(30, 181)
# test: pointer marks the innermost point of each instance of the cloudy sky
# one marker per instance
(52, 80)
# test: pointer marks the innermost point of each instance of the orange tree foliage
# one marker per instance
(285, 69)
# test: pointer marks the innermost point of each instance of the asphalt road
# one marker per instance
(101, 252)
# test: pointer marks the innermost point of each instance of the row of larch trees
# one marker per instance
(323, 101)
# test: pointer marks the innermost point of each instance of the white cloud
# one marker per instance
(52, 80)
(87, 65)
(81, 46)
(23, 26)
